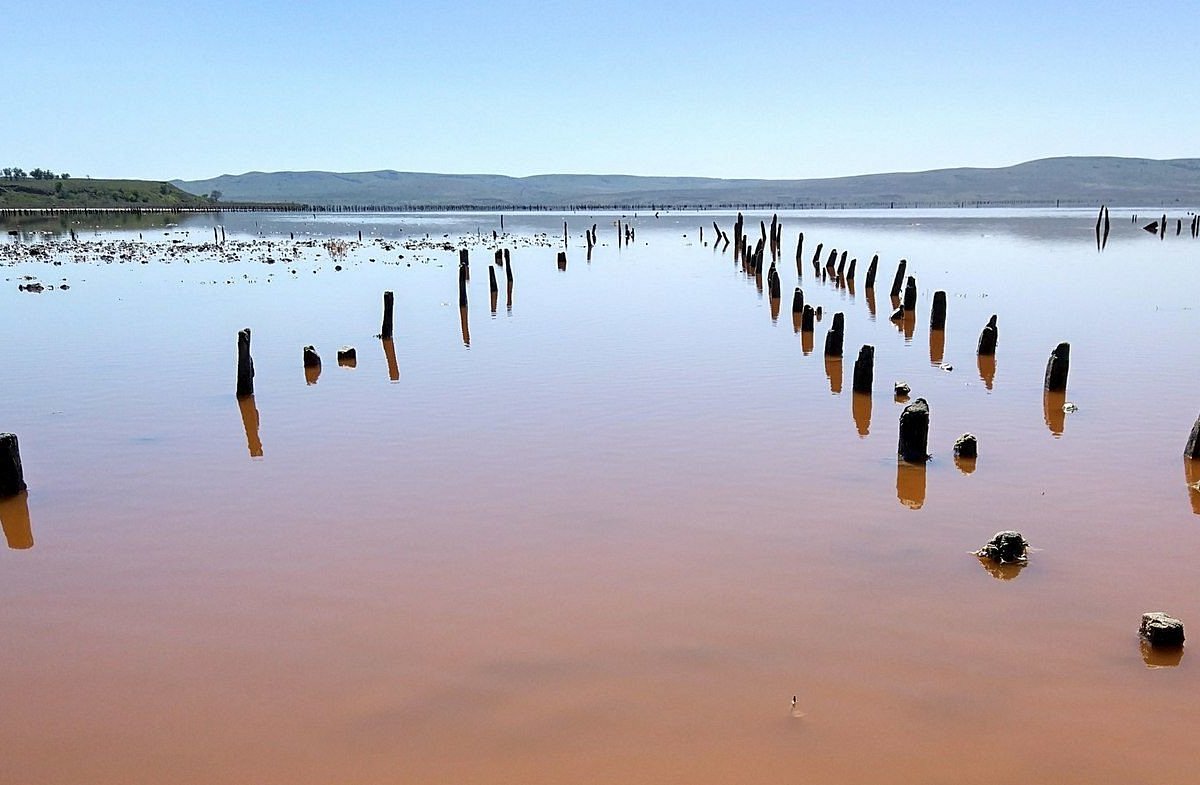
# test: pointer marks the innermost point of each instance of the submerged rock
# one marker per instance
(1005, 547)
(1160, 629)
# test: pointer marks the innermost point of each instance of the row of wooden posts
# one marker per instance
(913, 441)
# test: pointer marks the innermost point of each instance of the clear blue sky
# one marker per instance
(165, 89)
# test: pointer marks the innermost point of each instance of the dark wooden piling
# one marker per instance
(834, 339)
(245, 366)
(507, 261)
(987, 338)
(462, 285)
(311, 358)
(898, 281)
(864, 370)
(914, 432)
(910, 294)
(799, 254)
(1104, 238)
(1192, 450)
(937, 314)
(871, 270)
(850, 272)
(1178, 226)
(12, 476)
(1162, 227)
(808, 319)
(498, 259)
(1057, 368)
(386, 331)
(562, 260)
(773, 284)
(493, 286)
(464, 262)
(798, 301)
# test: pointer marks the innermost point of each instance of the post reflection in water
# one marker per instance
(250, 423)
(908, 323)
(495, 301)
(466, 330)
(965, 465)
(871, 302)
(987, 369)
(910, 484)
(774, 309)
(937, 346)
(508, 301)
(806, 342)
(860, 406)
(14, 519)
(1191, 475)
(1161, 657)
(389, 351)
(1002, 572)
(1052, 409)
(311, 374)
(797, 321)
(833, 371)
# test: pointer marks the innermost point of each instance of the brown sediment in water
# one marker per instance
(609, 522)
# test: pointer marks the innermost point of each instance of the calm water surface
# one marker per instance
(609, 529)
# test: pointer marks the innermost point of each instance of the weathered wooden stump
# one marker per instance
(864, 370)
(937, 313)
(834, 339)
(12, 477)
(245, 366)
(492, 283)
(386, 331)
(347, 356)
(966, 446)
(987, 338)
(850, 270)
(910, 294)
(1005, 547)
(798, 301)
(872, 269)
(914, 432)
(463, 277)
(311, 358)
(898, 281)
(1057, 368)
(1161, 629)
(807, 319)
(464, 262)
(1192, 450)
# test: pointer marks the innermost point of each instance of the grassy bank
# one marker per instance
(84, 193)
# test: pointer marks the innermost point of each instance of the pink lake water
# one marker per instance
(609, 536)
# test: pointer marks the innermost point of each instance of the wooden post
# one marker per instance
(864, 370)
(12, 477)
(462, 283)
(562, 260)
(834, 338)
(311, 358)
(807, 319)
(464, 263)
(898, 281)
(987, 339)
(799, 253)
(492, 284)
(245, 368)
(871, 270)
(798, 301)
(937, 314)
(1191, 451)
(386, 332)
(1057, 368)
(910, 294)
(914, 432)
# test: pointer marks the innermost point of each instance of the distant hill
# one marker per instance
(1075, 180)
(85, 193)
